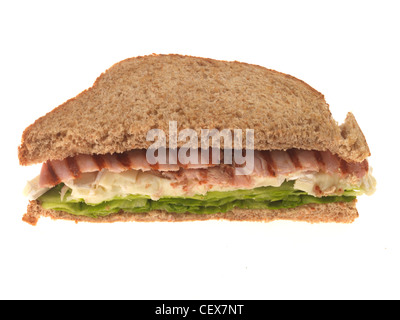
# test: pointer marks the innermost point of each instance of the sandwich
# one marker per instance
(139, 146)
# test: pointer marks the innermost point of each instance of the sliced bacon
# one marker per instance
(48, 178)
(266, 163)
(307, 160)
(87, 163)
(62, 170)
(331, 162)
(320, 160)
(282, 161)
(295, 159)
(260, 164)
(138, 160)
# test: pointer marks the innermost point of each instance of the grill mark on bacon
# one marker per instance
(100, 162)
(54, 177)
(295, 160)
(271, 167)
(123, 158)
(319, 159)
(73, 167)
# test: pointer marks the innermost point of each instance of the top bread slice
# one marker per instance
(143, 93)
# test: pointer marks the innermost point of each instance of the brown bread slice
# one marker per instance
(139, 94)
(313, 213)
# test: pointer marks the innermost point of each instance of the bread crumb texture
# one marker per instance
(143, 93)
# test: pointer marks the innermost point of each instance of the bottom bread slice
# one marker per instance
(340, 212)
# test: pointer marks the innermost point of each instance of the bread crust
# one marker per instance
(142, 93)
(345, 212)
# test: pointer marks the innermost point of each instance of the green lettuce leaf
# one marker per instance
(284, 196)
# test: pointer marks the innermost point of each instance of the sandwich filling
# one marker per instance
(104, 184)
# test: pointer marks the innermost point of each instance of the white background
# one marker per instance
(348, 50)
